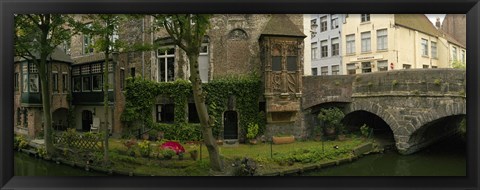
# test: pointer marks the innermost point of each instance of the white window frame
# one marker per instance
(165, 56)
(350, 44)
(424, 47)
(433, 49)
(382, 39)
(365, 17)
(335, 46)
(366, 42)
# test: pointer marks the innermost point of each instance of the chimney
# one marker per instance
(437, 24)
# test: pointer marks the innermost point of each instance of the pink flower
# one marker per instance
(175, 146)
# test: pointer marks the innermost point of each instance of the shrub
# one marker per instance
(167, 153)
(332, 118)
(145, 148)
(244, 167)
(22, 142)
(364, 130)
(252, 130)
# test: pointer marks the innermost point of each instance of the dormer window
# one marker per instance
(365, 17)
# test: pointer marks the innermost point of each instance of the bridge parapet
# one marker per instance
(412, 82)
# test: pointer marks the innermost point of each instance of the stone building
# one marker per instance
(326, 43)
(456, 26)
(382, 42)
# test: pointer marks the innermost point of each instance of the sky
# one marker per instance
(433, 17)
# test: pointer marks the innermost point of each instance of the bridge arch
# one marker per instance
(375, 109)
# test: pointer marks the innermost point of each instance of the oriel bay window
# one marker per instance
(166, 64)
(30, 78)
(89, 78)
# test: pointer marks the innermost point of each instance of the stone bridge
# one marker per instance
(420, 106)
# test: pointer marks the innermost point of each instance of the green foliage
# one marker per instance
(252, 130)
(394, 82)
(20, 142)
(331, 118)
(180, 132)
(167, 153)
(140, 97)
(365, 130)
(456, 64)
(41, 152)
(311, 155)
(437, 82)
(145, 148)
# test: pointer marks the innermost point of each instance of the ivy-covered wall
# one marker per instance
(140, 97)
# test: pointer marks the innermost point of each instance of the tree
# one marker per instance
(456, 64)
(104, 28)
(187, 32)
(36, 37)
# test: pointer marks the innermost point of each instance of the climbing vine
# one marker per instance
(140, 98)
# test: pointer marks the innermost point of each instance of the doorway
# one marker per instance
(86, 120)
(230, 124)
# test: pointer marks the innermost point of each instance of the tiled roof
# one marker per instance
(89, 58)
(417, 22)
(281, 25)
(451, 39)
(57, 55)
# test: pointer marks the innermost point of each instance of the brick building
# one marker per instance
(233, 46)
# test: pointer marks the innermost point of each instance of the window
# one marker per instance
(86, 84)
(350, 44)
(335, 47)
(122, 78)
(334, 22)
(351, 69)
(25, 77)
(406, 66)
(97, 82)
(324, 71)
(366, 42)
(85, 69)
(87, 44)
(314, 50)
(33, 78)
(382, 65)
(65, 82)
(16, 81)
(110, 81)
(77, 84)
(55, 81)
(75, 71)
(434, 67)
(66, 47)
(454, 53)
(165, 113)
(425, 66)
(292, 63)
(335, 69)
(463, 56)
(204, 62)
(365, 17)
(314, 72)
(132, 72)
(324, 47)
(97, 68)
(434, 49)
(424, 47)
(192, 113)
(366, 67)
(323, 23)
(276, 63)
(382, 40)
(166, 64)
(313, 27)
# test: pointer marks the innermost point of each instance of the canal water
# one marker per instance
(25, 165)
(446, 158)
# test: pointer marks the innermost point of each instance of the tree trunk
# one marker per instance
(47, 114)
(105, 105)
(205, 121)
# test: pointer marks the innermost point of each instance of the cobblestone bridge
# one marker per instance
(420, 106)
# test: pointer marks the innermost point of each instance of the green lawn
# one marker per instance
(268, 157)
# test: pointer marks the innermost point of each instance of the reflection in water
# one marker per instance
(446, 158)
(25, 165)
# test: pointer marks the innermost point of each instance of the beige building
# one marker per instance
(382, 42)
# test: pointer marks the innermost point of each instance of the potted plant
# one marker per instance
(331, 119)
(252, 131)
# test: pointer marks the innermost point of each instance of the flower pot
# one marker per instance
(253, 141)
(283, 140)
